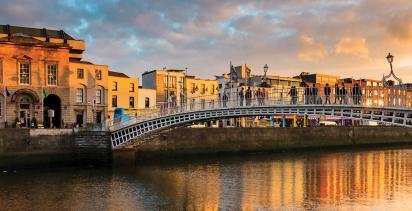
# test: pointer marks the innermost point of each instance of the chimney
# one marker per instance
(8, 30)
(44, 32)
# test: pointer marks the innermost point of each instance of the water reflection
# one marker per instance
(346, 180)
(379, 179)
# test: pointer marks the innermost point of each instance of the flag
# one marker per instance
(45, 93)
(6, 91)
(233, 74)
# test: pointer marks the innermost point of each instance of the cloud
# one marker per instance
(290, 36)
(310, 50)
(353, 46)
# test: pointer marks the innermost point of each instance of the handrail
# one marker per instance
(256, 97)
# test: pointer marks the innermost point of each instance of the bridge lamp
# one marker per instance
(265, 70)
(389, 58)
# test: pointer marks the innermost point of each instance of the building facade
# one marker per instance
(168, 84)
(123, 93)
(146, 98)
(40, 73)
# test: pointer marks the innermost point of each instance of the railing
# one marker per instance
(255, 97)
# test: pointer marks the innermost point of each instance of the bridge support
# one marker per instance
(93, 147)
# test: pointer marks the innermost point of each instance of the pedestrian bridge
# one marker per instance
(388, 110)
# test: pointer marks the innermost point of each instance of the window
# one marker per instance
(80, 73)
(131, 102)
(99, 96)
(24, 73)
(114, 101)
(131, 89)
(98, 75)
(193, 85)
(79, 95)
(114, 86)
(146, 102)
(213, 89)
(203, 88)
(170, 81)
(52, 74)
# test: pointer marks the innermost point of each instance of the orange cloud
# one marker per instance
(311, 51)
(353, 46)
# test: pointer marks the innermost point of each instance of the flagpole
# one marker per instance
(5, 104)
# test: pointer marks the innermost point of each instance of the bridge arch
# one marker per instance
(393, 116)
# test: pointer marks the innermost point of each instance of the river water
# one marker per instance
(379, 179)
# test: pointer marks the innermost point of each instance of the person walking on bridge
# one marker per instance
(314, 94)
(248, 96)
(337, 94)
(307, 94)
(343, 93)
(356, 94)
(241, 96)
(326, 91)
(293, 95)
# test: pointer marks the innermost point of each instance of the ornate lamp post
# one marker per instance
(386, 77)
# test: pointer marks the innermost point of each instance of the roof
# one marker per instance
(79, 61)
(34, 32)
(118, 74)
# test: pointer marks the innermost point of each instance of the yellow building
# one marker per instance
(43, 76)
(200, 90)
(122, 93)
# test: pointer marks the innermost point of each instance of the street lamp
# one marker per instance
(265, 70)
(389, 57)
(390, 60)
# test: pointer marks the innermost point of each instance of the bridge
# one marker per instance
(386, 106)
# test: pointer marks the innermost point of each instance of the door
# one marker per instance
(79, 118)
(24, 113)
(98, 117)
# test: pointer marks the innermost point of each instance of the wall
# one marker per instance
(123, 94)
(143, 94)
(188, 141)
(26, 148)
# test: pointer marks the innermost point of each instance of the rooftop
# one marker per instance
(118, 74)
(34, 32)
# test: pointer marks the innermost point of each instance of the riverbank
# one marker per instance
(206, 141)
(24, 148)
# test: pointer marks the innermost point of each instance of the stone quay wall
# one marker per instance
(31, 148)
(197, 141)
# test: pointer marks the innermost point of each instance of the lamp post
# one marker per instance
(265, 70)
(390, 60)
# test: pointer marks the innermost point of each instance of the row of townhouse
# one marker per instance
(45, 81)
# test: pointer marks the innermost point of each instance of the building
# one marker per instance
(196, 87)
(146, 98)
(319, 78)
(44, 77)
(123, 93)
(168, 84)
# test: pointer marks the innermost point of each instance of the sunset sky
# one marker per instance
(347, 38)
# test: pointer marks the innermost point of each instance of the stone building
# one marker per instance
(168, 84)
(42, 70)
(123, 92)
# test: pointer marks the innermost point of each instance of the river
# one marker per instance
(378, 179)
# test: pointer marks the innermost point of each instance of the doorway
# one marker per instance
(52, 102)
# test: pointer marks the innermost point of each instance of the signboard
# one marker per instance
(50, 113)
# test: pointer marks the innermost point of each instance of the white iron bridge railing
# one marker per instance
(250, 97)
